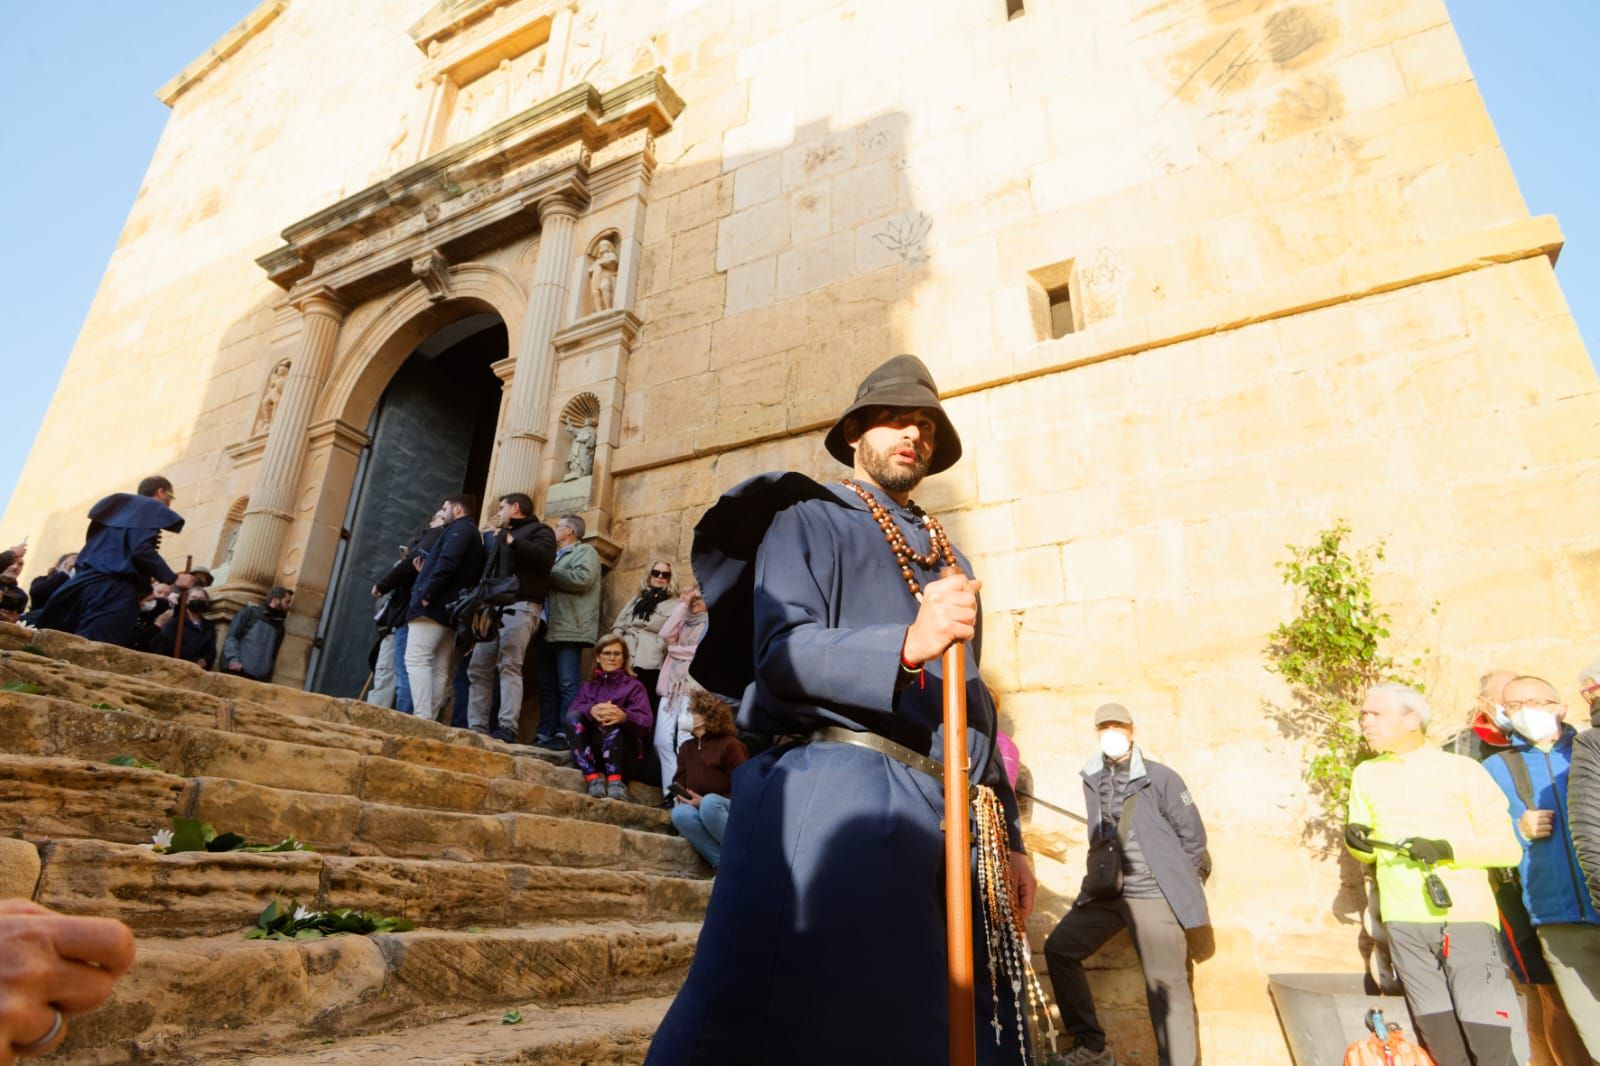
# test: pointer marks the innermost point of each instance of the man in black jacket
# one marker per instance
(250, 648)
(1583, 785)
(448, 570)
(525, 548)
(1146, 809)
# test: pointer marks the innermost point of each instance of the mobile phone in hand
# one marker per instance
(679, 791)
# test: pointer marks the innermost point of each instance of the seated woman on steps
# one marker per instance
(703, 783)
(610, 721)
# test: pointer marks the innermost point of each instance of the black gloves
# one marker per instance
(1428, 851)
(1356, 835)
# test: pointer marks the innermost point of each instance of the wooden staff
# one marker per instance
(957, 858)
(182, 614)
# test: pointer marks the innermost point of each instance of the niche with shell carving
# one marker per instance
(580, 423)
(600, 265)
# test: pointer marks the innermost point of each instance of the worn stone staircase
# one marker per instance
(580, 914)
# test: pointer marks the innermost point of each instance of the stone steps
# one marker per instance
(190, 743)
(607, 1034)
(56, 797)
(211, 999)
(202, 894)
(580, 913)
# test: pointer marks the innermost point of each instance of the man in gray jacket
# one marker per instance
(572, 623)
(1142, 815)
(251, 647)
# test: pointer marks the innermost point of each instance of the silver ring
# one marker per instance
(44, 1041)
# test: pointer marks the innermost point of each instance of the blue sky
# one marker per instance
(79, 137)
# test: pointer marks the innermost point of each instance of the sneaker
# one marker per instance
(505, 735)
(617, 790)
(1083, 1056)
(597, 788)
(555, 743)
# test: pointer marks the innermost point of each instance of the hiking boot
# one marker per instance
(617, 790)
(597, 788)
(505, 736)
(555, 743)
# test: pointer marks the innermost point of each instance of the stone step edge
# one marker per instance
(137, 886)
(333, 824)
(546, 1036)
(185, 996)
(175, 673)
(38, 724)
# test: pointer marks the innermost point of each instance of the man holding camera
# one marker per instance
(1433, 822)
(1147, 868)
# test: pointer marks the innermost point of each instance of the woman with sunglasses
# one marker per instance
(639, 625)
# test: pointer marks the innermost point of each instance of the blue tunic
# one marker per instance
(825, 936)
(119, 560)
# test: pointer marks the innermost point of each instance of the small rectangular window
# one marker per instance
(1060, 311)
(1014, 9)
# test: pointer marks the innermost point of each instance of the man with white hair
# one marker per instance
(1449, 822)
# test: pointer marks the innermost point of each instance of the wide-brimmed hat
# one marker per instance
(902, 382)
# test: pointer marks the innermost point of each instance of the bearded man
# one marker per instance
(825, 936)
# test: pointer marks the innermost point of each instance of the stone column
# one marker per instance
(267, 518)
(528, 413)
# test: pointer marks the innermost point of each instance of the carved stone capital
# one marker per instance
(561, 204)
(321, 300)
(433, 270)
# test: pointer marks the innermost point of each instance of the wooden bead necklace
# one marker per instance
(938, 544)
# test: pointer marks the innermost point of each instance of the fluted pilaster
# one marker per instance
(528, 414)
(267, 518)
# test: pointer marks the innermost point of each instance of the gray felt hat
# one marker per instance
(904, 382)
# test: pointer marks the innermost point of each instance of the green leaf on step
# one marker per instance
(225, 842)
(27, 688)
(511, 1017)
(135, 762)
(474, 928)
(188, 834)
(269, 917)
(103, 707)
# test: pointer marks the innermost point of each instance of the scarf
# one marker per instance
(644, 604)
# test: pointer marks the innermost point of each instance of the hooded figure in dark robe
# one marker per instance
(824, 941)
(119, 560)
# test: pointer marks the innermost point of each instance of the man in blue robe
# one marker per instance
(824, 941)
(119, 560)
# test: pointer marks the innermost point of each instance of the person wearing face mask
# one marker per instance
(1489, 730)
(250, 648)
(1145, 819)
(1533, 774)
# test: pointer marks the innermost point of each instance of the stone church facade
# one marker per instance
(1199, 277)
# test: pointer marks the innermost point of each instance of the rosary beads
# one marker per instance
(938, 544)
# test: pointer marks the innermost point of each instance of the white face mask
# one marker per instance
(1114, 743)
(1498, 714)
(1536, 724)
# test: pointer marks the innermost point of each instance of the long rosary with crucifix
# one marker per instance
(1010, 958)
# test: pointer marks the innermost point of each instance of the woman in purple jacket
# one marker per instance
(611, 720)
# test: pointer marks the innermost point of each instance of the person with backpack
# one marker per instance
(1533, 773)
(1148, 865)
(520, 547)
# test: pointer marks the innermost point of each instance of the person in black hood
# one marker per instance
(119, 560)
(525, 548)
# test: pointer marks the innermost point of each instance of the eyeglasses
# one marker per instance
(611, 654)
(661, 573)
(1517, 705)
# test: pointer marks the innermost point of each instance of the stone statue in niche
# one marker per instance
(270, 396)
(603, 275)
(580, 457)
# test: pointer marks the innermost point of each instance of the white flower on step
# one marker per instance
(161, 841)
(303, 915)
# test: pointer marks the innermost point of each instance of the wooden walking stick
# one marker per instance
(957, 857)
(183, 607)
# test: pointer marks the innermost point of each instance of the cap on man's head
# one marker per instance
(1112, 713)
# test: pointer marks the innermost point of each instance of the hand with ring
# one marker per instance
(52, 967)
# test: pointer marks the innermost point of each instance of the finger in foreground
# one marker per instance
(103, 942)
(77, 988)
(21, 1025)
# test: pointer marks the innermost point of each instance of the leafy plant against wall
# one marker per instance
(1329, 654)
